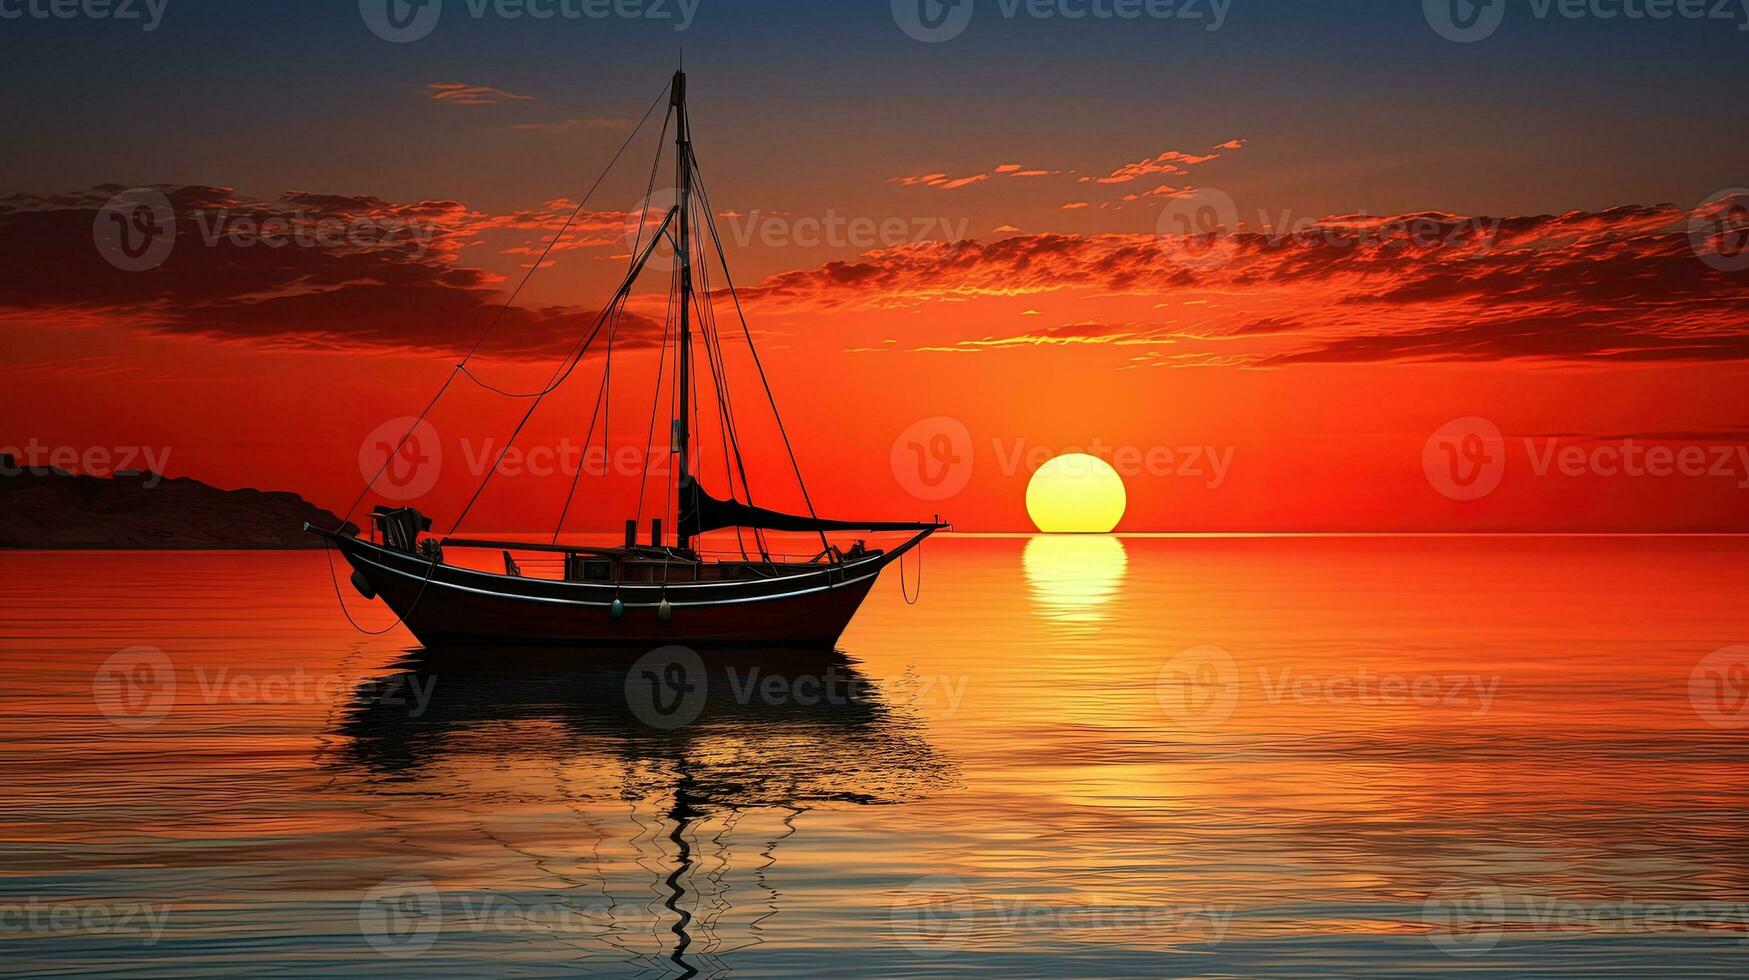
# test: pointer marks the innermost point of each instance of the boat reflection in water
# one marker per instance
(629, 783)
(1072, 577)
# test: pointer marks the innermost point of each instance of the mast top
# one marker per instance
(677, 91)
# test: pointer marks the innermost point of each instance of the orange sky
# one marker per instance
(989, 301)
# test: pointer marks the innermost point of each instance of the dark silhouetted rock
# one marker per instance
(43, 507)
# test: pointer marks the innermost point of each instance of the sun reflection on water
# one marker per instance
(1073, 577)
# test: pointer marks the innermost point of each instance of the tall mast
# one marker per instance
(683, 249)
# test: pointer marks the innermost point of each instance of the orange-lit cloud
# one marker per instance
(575, 122)
(1621, 285)
(461, 93)
(1169, 162)
(941, 181)
(308, 271)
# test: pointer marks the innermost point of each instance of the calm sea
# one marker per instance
(1075, 756)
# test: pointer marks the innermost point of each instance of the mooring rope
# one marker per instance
(328, 549)
(904, 593)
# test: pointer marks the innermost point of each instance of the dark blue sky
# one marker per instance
(1346, 105)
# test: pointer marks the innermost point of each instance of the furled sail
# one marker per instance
(701, 512)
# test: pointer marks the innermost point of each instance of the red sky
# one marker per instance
(1289, 373)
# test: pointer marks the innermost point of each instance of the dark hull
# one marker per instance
(444, 605)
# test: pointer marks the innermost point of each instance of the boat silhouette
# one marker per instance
(667, 590)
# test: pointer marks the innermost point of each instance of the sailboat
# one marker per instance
(667, 590)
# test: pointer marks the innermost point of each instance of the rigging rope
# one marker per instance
(730, 437)
(602, 396)
(589, 437)
(461, 367)
(580, 349)
(725, 415)
(655, 401)
(729, 280)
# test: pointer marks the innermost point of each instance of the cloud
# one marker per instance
(1622, 285)
(941, 181)
(303, 271)
(1169, 162)
(461, 93)
(1164, 190)
(1088, 332)
(575, 122)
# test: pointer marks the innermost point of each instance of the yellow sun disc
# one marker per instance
(1076, 492)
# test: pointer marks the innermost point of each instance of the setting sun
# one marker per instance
(1076, 492)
